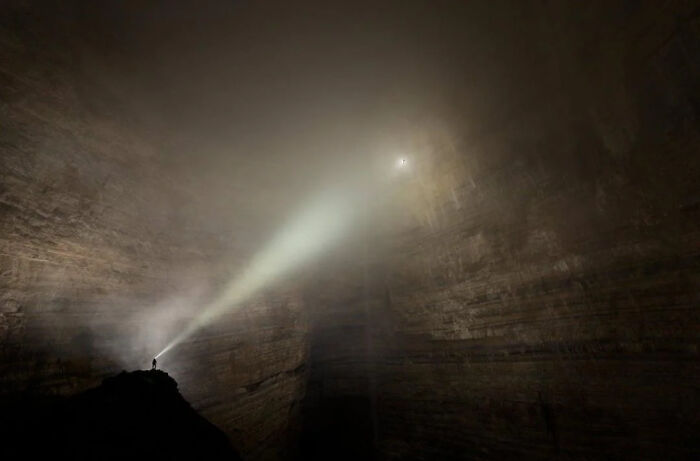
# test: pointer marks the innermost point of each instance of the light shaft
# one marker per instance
(318, 226)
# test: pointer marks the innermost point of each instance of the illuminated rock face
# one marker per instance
(97, 231)
(532, 293)
(540, 300)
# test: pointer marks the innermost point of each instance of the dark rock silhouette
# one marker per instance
(136, 415)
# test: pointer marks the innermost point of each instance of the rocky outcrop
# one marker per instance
(137, 415)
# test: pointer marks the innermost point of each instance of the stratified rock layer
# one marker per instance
(538, 298)
(527, 288)
(102, 237)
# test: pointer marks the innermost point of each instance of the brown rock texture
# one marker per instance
(527, 289)
(538, 298)
(99, 233)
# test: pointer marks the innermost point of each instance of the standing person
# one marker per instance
(153, 364)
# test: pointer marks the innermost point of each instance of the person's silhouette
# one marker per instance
(153, 364)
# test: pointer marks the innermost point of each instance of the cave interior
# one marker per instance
(391, 230)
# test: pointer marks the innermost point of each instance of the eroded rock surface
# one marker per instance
(538, 297)
(526, 290)
(104, 239)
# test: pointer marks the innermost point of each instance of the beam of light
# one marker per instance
(315, 228)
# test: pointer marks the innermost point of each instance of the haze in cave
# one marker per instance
(353, 230)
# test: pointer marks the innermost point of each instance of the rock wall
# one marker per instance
(528, 291)
(536, 294)
(101, 237)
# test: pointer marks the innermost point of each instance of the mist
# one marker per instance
(313, 106)
(376, 229)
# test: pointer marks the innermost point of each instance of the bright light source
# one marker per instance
(315, 228)
(318, 226)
